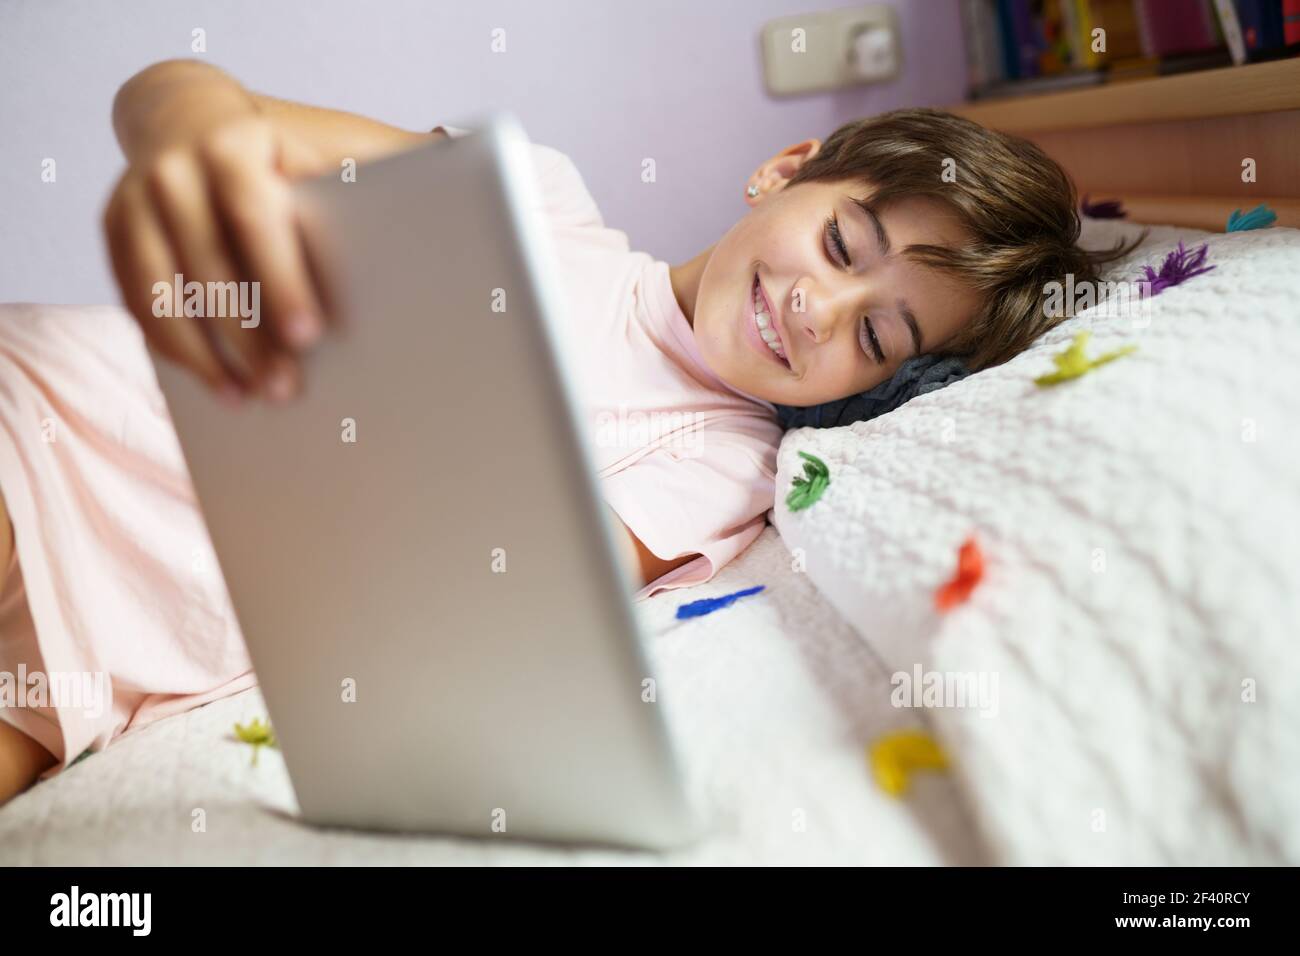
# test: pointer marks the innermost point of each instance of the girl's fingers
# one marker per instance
(255, 205)
(283, 376)
(144, 267)
(179, 192)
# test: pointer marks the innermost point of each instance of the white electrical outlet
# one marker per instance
(832, 49)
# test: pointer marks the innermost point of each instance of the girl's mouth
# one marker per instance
(762, 329)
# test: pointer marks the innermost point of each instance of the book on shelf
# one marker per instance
(1173, 27)
(1262, 28)
(1230, 27)
(1018, 47)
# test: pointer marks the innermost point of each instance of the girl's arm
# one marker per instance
(178, 100)
(643, 564)
(206, 194)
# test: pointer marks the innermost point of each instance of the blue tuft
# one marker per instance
(709, 605)
(1258, 218)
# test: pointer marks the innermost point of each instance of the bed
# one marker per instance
(1140, 529)
(770, 704)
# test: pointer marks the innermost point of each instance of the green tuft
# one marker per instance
(258, 733)
(1073, 363)
(805, 491)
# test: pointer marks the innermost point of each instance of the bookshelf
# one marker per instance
(1230, 91)
(1171, 148)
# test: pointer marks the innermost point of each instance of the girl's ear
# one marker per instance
(773, 175)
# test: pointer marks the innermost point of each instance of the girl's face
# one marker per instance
(811, 272)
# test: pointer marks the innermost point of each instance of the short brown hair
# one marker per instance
(1016, 202)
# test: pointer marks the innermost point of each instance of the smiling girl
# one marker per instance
(910, 233)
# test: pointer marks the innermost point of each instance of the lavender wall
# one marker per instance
(610, 83)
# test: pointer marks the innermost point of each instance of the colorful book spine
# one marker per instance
(1021, 43)
(1171, 27)
(1057, 54)
(1010, 59)
(1117, 18)
(1078, 27)
(983, 43)
(1028, 40)
(1261, 26)
(1230, 26)
(1290, 21)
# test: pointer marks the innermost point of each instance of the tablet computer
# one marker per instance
(416, 548)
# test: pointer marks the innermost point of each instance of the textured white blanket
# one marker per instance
(772, 701)
(1139, 611)
(1142, 533)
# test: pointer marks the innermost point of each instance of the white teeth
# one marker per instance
(765, 328)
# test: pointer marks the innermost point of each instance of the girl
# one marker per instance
(911, 233)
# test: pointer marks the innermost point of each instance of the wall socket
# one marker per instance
(832, 49)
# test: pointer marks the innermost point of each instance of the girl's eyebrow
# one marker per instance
(904, 310)
(881, 236)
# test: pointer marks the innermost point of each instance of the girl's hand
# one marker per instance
(214, 206)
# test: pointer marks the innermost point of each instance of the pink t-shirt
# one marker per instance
(685, 460)
(114, 583)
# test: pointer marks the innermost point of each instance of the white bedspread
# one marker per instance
(773, 701)
(1142, 532)
(1141, 604)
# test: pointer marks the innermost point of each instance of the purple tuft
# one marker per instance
(1178, 266)
(1102, 209)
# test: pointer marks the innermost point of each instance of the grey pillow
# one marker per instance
(916, 376)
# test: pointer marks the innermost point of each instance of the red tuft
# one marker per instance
(970, 568)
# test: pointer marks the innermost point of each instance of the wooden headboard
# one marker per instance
(1172, 148)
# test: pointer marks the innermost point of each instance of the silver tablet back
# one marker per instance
(416, 548)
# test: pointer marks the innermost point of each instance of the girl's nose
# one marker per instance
(822, 310)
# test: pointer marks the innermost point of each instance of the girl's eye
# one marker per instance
(871, 343)
(835, 242)
(840, 255)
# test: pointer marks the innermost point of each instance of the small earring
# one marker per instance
(751, 191)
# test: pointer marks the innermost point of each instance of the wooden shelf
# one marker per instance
(1172, 148)
(1204, 212)
(1231, 91)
